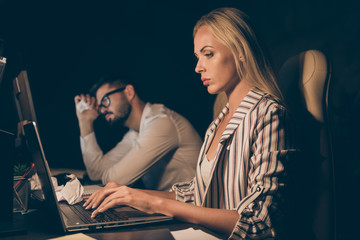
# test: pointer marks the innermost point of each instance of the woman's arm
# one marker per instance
(164, 203)
(219, 220)
(163, 194)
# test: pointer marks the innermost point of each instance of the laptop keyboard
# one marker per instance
(107, 216)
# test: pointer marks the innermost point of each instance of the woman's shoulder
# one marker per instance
(269, 104)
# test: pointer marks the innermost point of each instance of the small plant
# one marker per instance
(20, 169)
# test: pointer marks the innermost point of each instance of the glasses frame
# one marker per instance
(106, 96)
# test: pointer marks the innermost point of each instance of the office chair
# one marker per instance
(305, 81)
(219, 104)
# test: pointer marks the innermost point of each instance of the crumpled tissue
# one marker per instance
(72, 192)
(82, 106)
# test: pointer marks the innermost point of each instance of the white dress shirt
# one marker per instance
(163, 152)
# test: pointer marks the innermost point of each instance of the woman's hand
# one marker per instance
(96, 197)
(114, 194)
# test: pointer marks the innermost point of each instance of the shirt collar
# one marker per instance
(145, 113)
(251, 99)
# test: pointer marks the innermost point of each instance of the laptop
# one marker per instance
(75, 217)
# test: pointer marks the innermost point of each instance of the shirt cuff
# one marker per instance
(184, 191)
(86, 140)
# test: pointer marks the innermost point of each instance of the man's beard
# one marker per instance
(122, 114)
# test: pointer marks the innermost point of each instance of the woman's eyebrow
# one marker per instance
(203, 48)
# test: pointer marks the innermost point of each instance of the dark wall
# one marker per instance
(67, 45)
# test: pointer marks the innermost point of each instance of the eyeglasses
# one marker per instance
(105, 100)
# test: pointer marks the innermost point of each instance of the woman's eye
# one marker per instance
(209, 54)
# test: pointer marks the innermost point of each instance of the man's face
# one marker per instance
(119, 108)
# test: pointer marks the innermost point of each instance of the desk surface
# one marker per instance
(77, 172)
(38, 226)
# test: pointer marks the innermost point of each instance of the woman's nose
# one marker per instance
(199, 68)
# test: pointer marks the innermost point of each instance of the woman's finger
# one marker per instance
(101, 197)
(103, 208)
(97, 194)
(91, 198)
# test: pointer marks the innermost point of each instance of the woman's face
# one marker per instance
(215, 63)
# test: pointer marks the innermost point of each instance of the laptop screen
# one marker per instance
(61, 212)
(42, 169)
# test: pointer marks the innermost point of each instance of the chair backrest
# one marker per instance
(305, 80)
(219, 104)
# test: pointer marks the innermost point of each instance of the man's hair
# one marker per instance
(115, 80)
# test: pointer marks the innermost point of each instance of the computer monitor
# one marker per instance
(6, 171)
(8, 224)
(2, 67)
(23, 99)
(6, 175)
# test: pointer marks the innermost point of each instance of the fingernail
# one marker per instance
(100, 210)
(94, 206)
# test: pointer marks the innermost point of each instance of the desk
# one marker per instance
(79, 173)
(40, 227)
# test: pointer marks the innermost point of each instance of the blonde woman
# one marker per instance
(236, 190)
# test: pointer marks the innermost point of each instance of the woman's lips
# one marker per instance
(205, 81)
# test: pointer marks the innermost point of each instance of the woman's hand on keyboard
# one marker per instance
(117, 195)
(97, 196)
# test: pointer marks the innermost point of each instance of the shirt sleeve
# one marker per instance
(259, 211)
(158, 138)
(95, 161)
(184, 191)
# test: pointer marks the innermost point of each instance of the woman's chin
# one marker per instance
(212, 90)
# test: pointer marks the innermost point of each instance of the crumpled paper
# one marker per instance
(82, 106)
(35, 182)
(72, 192)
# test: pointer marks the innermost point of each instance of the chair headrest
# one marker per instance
(310, 70)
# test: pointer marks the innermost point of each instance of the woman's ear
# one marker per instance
(129, 92)
(242, 55)
(242, 58)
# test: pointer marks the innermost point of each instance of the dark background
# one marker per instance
(67, 45)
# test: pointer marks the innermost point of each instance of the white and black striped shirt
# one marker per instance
(248, 168)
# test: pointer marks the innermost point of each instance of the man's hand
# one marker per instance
(87, 117)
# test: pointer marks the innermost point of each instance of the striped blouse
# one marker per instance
(249, 167)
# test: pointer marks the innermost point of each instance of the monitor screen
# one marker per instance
(23, 99)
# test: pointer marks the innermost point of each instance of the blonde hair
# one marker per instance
(231, 27)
